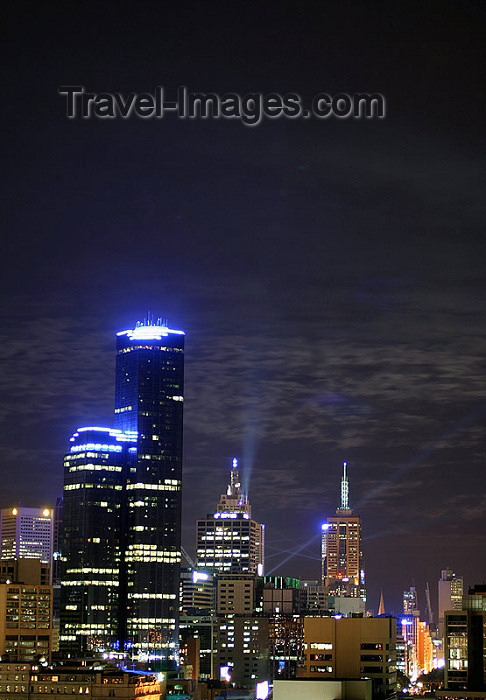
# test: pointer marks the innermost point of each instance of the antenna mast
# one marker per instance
(344, 489)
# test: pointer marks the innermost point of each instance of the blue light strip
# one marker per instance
(150, 333)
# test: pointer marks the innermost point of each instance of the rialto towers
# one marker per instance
(122, 508)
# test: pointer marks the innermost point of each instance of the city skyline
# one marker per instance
(329, 274)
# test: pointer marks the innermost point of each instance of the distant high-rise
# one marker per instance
(342, 558)
(410, 602)
(450, 589)
(27, 533)
(228, 540)
(122, 508)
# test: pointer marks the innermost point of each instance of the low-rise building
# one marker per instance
(34, 682)
(351, 648)
(307, 689)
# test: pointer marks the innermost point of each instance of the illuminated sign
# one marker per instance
(224, 673)
(199, 576)
(262, 690)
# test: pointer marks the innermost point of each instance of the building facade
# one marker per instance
(229, 541)
(26, 628)
(359, 647)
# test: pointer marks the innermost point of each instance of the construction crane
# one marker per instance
(188, 558)
(429, 607)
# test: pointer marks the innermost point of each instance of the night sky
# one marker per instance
(329, 274)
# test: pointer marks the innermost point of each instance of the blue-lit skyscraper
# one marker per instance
(122, 508)
(149, 401)
(93, 578)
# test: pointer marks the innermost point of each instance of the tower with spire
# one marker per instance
(234, 500)
(229, 541)
(342, 559)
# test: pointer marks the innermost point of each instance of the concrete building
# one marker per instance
(26, 626)
(235, 595)
(307, 689)
(351, 648)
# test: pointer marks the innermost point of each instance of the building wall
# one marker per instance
(322, 690)
(351, 648)
(235, 594)
(25, 571)
(26, 626)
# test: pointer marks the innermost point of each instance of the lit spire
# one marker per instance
(381, 607)
(344, 489)
(234, 485)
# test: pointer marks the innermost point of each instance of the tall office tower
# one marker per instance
(228, 540)
(148, 401)
(342, 558)
(93, 582)
(27, 533)
(450, 588)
